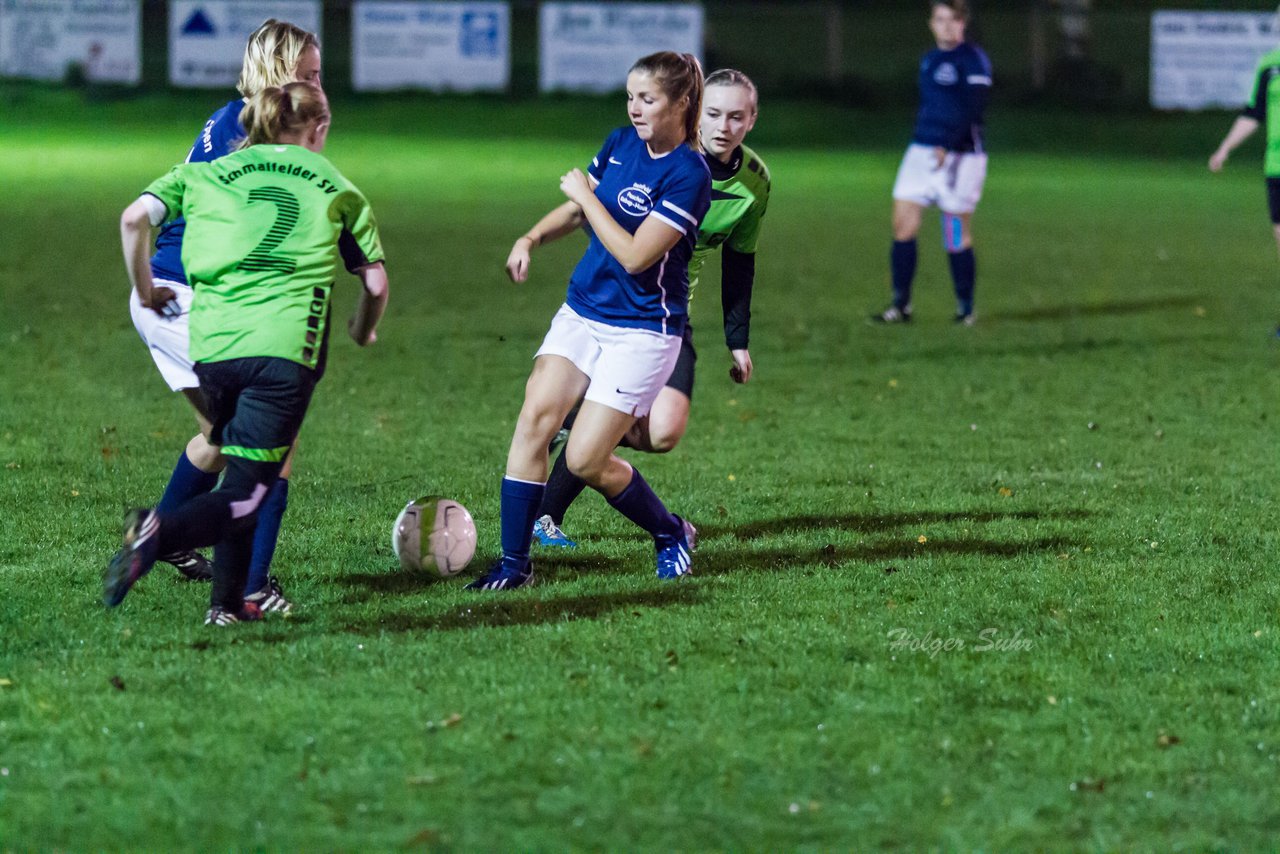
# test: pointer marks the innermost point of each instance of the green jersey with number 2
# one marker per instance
(267, 227)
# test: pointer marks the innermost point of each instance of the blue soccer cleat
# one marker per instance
(136, 556)
(500, 577)
(675, 555)
(548, 533)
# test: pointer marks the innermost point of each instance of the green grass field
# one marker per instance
(1088, 478)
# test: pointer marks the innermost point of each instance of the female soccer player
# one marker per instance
(739, 198)
(266, 228)
(945, 165)
(615, 340)
(1266, 86)
(276, 53)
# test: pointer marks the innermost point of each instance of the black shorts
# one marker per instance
(681, 378)
(1273, 199)
(256, 405)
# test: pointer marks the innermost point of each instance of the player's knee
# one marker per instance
(663, 439)
(586, 464)
(205, 455)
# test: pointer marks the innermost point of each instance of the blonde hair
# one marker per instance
(278, 112)
(680, 76)
(272, 54)
(733, 77)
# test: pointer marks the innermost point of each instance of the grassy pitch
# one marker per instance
(1004, 587)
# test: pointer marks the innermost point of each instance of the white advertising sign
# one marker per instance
(1207, 59)
(206, 39)
(442, 46)
(40, 39)
(588, 47)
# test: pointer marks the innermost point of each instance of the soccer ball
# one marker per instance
(434, 534)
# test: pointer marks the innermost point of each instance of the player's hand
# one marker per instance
(939, 156)
(163, 301)
(518, 260)
(575, 186)
(742, 367)
(1217, 160)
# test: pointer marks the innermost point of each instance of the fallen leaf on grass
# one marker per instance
(1087, 785)
(1165, 740)
(1005, 491)
(922, 539)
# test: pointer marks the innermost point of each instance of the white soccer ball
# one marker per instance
(434, 534)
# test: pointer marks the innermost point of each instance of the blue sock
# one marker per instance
(520, 502)
(270, 515)
(902, 260)
(185, 483)
(964, 271)
(641, 505)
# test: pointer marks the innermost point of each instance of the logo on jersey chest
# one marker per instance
(635, 200)
(945, 74)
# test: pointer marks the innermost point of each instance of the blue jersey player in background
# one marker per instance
(946, 164)
(277, 53)
(615, 341)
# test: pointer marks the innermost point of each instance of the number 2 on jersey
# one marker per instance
(287, 208)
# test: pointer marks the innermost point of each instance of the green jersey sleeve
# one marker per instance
(359, 243)
(746, 234)
(170, 188)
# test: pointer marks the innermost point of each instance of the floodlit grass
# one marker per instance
(1008, 587)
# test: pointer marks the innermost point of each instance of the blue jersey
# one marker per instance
(954, 85)
(220, 133)
(634, 185)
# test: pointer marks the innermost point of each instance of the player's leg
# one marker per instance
(912, 193)
(554, 386)
(663, 428)
(966, 175)
(633, 368)
(262, 588)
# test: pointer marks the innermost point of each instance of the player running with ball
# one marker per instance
(740, 188)
(266, 229)
(615, 341)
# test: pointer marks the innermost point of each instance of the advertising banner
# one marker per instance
(440, 46)
(1201, 60)
(206, 39)
(42, 39)
(588, 47)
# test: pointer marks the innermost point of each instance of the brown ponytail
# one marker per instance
(279, 112)
(680, 76)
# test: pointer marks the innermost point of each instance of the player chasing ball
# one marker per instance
(616, 339)
(740, 188)
(266, 228)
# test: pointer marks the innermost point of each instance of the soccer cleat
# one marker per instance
(675, 555)
(193, 565)
(893, 314)
(500, 578)
(270, 598)
(136, 556)
(962, 319)
(219, 616)
(548, 533)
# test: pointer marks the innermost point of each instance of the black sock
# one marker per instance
(963, 275)
(902, 261)
(563, 488)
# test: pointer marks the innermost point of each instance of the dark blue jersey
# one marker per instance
(954, 85)
(220, 133)
(634, 185)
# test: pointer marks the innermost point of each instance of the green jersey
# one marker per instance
(1264, 106)
(739, 199)
(266, 229)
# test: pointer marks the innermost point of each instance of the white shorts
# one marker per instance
(167, 337)
(627, 367)
(955, 187)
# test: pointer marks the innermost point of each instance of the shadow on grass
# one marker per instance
(871, 523)
(874, 555)
(1101, 309)
(506, 610)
